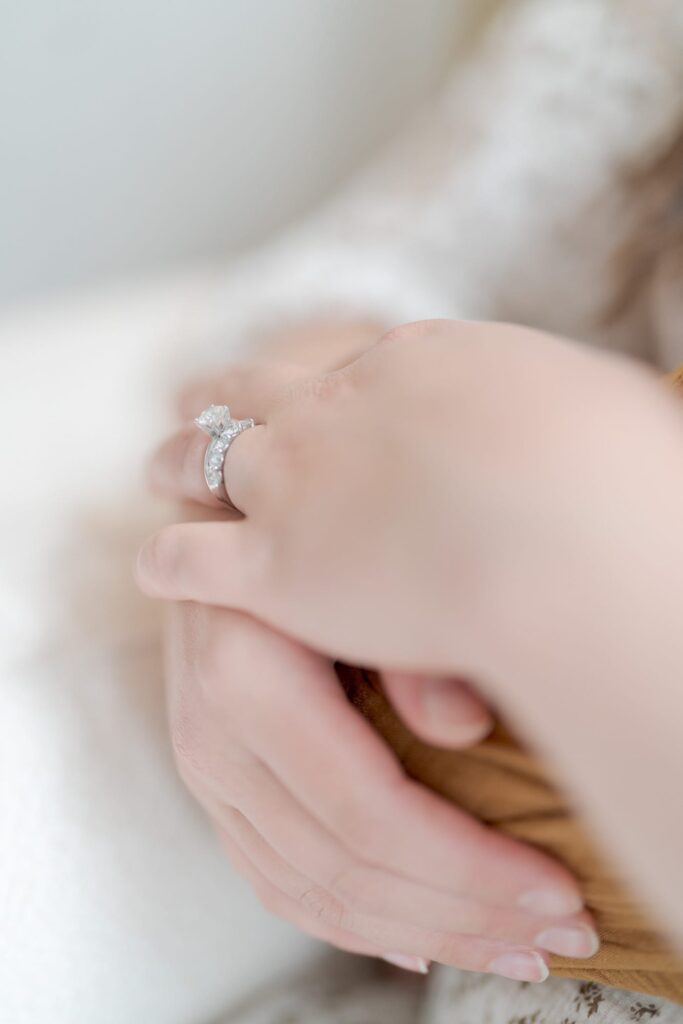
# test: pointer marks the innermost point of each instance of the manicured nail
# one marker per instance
(577, 941)
(418, 964)
(551, 902)
(520, 967)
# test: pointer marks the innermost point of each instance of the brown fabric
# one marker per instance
(502, 785)
(676, 377)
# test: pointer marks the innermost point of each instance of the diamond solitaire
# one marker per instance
(217, 422)
(214, 420)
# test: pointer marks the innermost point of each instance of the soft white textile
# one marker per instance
(116, 905)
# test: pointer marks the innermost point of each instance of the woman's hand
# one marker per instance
(316, 813)
(443, 711)
(427, 839)
(396, 509)
(475, 498)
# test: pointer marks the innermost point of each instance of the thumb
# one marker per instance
(441, 711)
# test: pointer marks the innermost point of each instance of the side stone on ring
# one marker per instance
(217, 422)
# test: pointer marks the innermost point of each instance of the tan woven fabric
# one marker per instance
(501, 784)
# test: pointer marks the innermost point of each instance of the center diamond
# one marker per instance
(214, 420)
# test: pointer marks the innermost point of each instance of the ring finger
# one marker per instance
(252, 391)
(177, 468)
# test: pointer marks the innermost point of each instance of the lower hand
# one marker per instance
(316, 814)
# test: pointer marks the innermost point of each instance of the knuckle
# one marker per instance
(321, 905)
(293, 391)
(416, 330)
(323, 388)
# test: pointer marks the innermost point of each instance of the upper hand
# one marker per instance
(408, 511)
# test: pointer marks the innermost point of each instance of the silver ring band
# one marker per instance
(217, 422)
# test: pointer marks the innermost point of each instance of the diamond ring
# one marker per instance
(217, 422)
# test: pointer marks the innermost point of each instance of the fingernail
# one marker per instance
(551, 902)
(418, 964)
(578, 941)
(520, 967)
(446, 716)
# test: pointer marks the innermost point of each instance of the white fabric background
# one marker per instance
(143, 134)
(116, 905)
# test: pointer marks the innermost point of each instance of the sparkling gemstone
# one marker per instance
(214, 420)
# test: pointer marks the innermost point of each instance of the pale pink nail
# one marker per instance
(418, 964)
(551, 902)
(520, 967)
(446, 715)
(577, 941)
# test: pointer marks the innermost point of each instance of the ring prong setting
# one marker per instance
(222, 429)
(215, 420)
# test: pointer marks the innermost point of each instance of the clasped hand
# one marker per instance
(385, 508)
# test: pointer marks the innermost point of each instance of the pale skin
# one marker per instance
(517, 529)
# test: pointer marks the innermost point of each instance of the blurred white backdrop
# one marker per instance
(147, 134)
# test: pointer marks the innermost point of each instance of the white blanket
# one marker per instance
(116, 905)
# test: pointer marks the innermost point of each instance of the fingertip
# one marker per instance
(459, 733)
(453, 715)
(416, 964)
(575, 940)
(552, 901)
(444, 712)
(521, 965)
